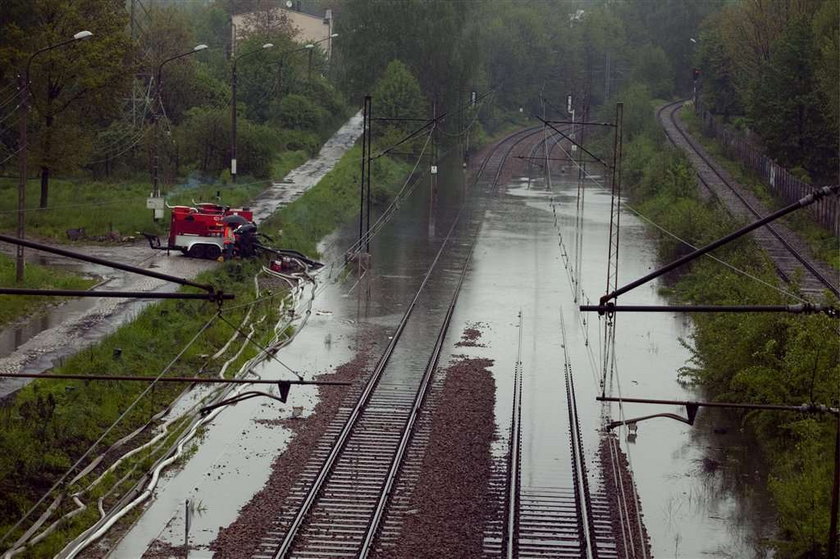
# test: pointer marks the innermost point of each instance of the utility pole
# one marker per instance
(24, 147)
(835, 496)
(362, 174)
(433, 173)
(369, 104)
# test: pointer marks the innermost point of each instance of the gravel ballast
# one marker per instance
(241, 538)
(450, 503)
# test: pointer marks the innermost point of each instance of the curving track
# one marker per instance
(791, 256)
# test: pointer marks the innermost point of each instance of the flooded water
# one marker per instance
(701, 494)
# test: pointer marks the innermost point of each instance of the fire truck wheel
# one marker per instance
(196, 251)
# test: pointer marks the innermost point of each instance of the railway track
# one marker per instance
(349, 499)
(791, 256)
(565, 521)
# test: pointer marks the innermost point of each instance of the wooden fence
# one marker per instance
(782, 184)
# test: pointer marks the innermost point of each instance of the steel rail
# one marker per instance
(670, 110)
(411, 423)
(510, 537)
(582, 494)
(329, 463)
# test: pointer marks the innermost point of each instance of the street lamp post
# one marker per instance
(24, 147)
(310, 47)
(233, 109)
(155, 157)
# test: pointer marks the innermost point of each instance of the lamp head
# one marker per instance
(334, 35)
(199, 47)
(82, 35)
(268, 45)
(309, 46)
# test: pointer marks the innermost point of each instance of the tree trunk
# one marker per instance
(45, 171)
(45, 186)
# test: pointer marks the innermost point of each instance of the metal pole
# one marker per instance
(804, 308)
(835, 496)
(24, 153)
(155, 156)
(309, 69)
(233, 125)
(369, 103)
(196, 380)
(433, 174)
(362, 175)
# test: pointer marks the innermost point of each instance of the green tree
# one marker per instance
(434, 39)
(652, 67)
(827, 66)
(397, 93)
(786, 105)
(719, 92)
(73, 86)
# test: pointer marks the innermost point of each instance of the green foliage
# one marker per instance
(652, 67)
(204, 139)
(786, 108)
(778, 62)
(638, 106)
(827, 65)
(298, 113)
(719, 92)
(397, 93)
(333, 200)
(287, 161)
(435, 40)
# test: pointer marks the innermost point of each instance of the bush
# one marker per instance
(298, 113)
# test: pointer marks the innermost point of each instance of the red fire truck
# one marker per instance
(212, 231)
